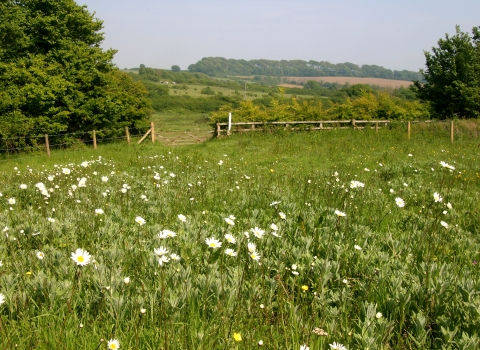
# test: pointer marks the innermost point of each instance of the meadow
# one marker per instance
(342, 239)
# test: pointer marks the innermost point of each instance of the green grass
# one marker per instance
(421, 276)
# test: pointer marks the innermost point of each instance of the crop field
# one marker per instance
(388, 83)
(331, 240)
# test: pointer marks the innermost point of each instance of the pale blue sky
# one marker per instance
(392, 34)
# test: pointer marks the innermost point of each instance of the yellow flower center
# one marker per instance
(213, 244)
(113, 346)
(82, 259)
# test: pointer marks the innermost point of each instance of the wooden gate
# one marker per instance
(177, 138)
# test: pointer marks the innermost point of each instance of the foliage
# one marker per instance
(453, 76)
(362, 102)
(269, 68)
(175, 68)
(381, 277)
(55, 78)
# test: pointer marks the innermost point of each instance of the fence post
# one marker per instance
(451, 131)
(376, 127)
(94, 139)
(127, 134)
(47, 145)
(353, 123)
(408, 129)
(152, 127)
(218, 129)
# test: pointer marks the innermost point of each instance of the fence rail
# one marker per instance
(222, 128)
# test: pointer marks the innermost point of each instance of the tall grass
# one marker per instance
(381, 277)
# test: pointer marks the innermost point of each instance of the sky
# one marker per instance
(389, 33)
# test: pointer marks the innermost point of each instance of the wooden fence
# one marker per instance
(171, 138)
(222, 128)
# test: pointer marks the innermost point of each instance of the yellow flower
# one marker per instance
(304, 288)
(237, 336)
(29, 273)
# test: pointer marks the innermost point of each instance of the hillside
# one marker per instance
(215, 66)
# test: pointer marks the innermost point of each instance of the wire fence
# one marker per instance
(40, 145)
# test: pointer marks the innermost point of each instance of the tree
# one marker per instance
(55, 78)
(175, 68)
(452, 76)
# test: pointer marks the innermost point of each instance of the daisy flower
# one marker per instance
(337, 346)
(399, 201)
(357, 247)
(182, 218)
(139, 220)
(339, 213)
(251, 247)
(213, 243)
(274, 227)
(230, 238)
(255, 256)
(113, 344)
(230, 221)
(99, 211)
(160, 251)
(230, 252)
(81, 257)
(282, 215)
(166, 234)
(40, 255)
(163, 260)
(175, 257)
(257, 232)
(444, 224)
(437, 198)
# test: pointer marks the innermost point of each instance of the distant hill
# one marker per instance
(215, 66)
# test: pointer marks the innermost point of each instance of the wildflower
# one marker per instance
(444, 224)
(449, 205)
(104, 178)
(262, 306)
(337, 346)
(274, 203)
(255, 256)
(345, 281)
(213, 243)
(40, 255)
(126, 280)
(175, 257)
(357, 247)
(257, 232)
(378, 315)
(304, 288)
(142, 311)
(220, 162)
(230, 221)
(2, 298)
(23, 186)
(160, 251)
(260, 342)
(81, 257)
(437, 198)
(282, 215)
(251, 247)
(113, 344)
(304, 347)
(356, 184)
(51, 220)
(230, 238)
(399, 201)
(320, 332)
(237, 337)
(230, 252)
(166, 234)
(274, 227)
(139, 220)
(182, 218)
(82, 182)
(12, 201)
(99, 211)
(163, 260)
(340, 213)
(445, 165)
(66, 171)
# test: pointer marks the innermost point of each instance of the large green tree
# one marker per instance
(452, 76)
(55, 77)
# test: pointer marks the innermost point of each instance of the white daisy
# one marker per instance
(81, 257)
(230, 252)
(213, 243)
(113, 344)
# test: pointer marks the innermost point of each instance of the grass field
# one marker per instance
(387, 83)
(279, 241)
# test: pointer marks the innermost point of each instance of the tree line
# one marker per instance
(215, 66)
